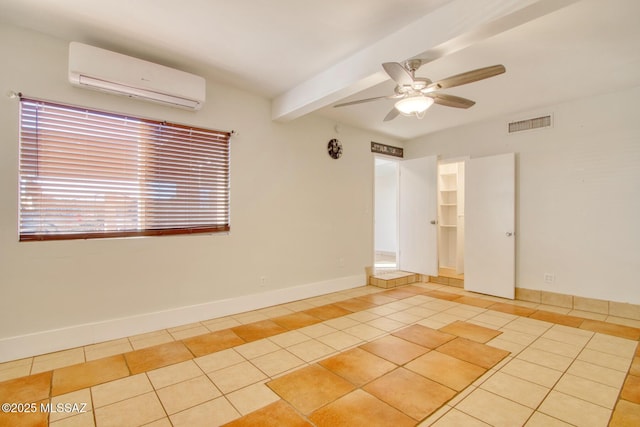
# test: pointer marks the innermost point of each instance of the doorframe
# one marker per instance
(396, 161)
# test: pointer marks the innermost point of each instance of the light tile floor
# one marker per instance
(422, 354)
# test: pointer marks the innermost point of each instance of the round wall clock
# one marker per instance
(334, 148)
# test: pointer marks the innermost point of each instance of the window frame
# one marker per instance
(190, 194)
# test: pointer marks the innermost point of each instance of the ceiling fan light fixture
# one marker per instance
(414, 105)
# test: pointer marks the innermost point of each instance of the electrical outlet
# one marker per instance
(263, 281)
(341, 262)
(549, 278)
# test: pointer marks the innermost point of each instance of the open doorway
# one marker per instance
(451, 219)
(458, 220)
(385, 214)
(405, 215)
(449, 252)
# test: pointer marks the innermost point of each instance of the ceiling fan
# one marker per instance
(416, 94)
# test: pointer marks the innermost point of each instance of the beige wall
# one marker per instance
(297, 216)
(301, 219)
(577, 192)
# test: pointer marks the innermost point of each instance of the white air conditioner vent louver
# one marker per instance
(99, 69)
(530, 124)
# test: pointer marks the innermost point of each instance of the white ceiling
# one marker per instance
(309, 55)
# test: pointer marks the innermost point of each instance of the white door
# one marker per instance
(490, 225)
(417, 225)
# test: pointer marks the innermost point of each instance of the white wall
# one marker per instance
(578, 192)
(386, 196)
(298, 218)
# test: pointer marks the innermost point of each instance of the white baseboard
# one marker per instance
(44, 342)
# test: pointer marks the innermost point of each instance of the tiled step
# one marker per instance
(393, 278)
(444, 280)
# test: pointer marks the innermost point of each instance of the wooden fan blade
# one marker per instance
(398, 73)
(360, 101)
(450, 100)
(469, 77)
(391, 115)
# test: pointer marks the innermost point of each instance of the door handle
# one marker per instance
(433, 222)
(508, 234)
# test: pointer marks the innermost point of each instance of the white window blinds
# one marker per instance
(89, 174)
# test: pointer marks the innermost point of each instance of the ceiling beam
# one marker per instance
(454, 26)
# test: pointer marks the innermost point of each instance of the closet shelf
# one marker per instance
(450, 224)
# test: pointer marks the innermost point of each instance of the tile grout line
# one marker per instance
(93, 407)
(563, 373)
(345, 350)
(49, 397)
(619, 397)
(549, 389)
(403, 366)
(488, 309)
(426, 293)
(155, 391)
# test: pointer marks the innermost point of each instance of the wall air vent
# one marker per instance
(530, 124)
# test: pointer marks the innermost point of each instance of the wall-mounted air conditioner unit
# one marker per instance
(94, 68)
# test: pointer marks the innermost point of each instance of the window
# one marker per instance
(90, 174)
